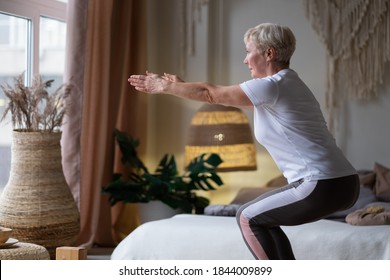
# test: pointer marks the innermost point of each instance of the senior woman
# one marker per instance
(289, 123)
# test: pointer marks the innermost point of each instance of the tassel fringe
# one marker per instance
(356, 34)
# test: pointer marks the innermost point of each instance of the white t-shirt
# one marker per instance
(289, 123)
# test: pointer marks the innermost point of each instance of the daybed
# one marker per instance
(362, 232)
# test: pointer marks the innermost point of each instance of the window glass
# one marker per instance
(52, 50)
(13, 57)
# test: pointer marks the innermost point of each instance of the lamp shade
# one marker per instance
(225, 131)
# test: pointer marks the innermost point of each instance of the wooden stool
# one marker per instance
(71, 253)
(24, 251)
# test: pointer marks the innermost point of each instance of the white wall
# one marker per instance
(363, 132)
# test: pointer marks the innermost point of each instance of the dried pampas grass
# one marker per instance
(33, 108)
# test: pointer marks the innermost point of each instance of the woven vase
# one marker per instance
(36, 202)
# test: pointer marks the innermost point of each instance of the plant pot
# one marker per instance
(37, 202)
(155, 210)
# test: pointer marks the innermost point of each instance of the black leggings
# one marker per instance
(294, 204)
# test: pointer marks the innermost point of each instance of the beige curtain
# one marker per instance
(106, 43)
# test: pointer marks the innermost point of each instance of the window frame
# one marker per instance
(33, 10)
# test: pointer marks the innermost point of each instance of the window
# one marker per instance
(32, 40)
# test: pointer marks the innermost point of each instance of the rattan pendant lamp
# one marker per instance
(225, 131)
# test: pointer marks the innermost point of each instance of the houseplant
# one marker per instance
(36, 202)
(165, 184)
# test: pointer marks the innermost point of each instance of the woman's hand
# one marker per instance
(149, 83)
(172, 78)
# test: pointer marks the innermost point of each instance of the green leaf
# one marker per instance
(204, 163)
(202, 172)
(167, 169)
(128, 191)
(157, 187)
(128, 147)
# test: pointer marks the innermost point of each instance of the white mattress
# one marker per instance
(200, 237)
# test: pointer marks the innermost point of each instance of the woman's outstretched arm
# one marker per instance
(197, 91)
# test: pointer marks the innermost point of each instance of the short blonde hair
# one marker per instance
(270, 35)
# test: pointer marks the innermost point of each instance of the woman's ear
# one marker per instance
(271, 54)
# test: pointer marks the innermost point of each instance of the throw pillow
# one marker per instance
(369, 217)
(367, 178)
(245, 195)
(382, 184)
(221, 210)
(279, 181)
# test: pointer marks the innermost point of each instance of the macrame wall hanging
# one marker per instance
(356, 34)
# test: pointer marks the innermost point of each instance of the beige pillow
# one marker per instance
(367, 179)
(277, 182)
(245, 195)
(248, 194)
(382, 183)
(370, 216)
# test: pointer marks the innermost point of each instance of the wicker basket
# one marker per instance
(36, 202)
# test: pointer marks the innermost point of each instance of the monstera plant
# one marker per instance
(139, 185)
